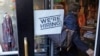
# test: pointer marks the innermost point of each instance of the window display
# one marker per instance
(8, 26)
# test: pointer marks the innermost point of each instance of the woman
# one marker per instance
(73, 30)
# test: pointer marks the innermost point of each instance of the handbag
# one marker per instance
(68, 40)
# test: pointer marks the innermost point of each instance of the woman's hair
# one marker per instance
(73, 7)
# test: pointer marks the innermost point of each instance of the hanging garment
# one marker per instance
(81, 20)
(8, 31)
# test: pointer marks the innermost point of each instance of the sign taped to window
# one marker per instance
(48, 21)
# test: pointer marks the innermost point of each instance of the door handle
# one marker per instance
(25, 46)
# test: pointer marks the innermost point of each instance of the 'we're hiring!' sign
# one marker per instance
(48, 21)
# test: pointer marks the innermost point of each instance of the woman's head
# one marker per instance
(74, 7)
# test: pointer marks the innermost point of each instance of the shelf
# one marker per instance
(9, 53)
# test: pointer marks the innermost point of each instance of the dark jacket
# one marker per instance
(71, 22)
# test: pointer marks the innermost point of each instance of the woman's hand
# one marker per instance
(90, 52)
(66, 30)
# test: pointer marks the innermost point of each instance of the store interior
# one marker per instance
(87, 19)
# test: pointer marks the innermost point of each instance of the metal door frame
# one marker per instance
(97, 44)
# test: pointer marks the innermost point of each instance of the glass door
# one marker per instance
(41, 43)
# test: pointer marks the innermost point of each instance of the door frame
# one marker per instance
(25, 23)
(97, 44)
(24, 10)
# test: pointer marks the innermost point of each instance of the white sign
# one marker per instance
(48, 21)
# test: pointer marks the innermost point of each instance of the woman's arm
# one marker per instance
(81, 45)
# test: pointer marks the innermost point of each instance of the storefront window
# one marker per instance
(8, 26)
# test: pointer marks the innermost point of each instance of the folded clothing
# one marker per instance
(89, 34)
